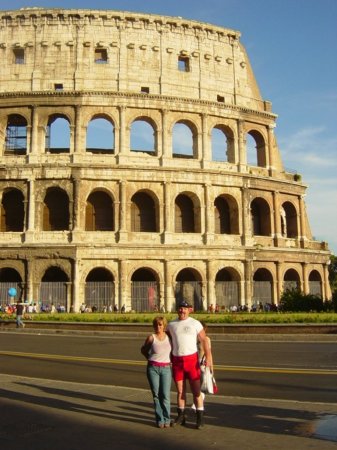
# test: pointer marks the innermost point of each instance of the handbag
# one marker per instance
(207, 381)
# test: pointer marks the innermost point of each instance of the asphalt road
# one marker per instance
(302, 371)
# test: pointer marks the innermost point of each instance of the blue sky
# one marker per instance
(292, 46)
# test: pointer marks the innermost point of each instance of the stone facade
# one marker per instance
(185, 212)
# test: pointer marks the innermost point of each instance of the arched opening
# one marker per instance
(315, 283)
(188, 287)
(100, 136)
(58, 134)
(12, 211)
(143, 213)
(186, 220)
(262, 289)
(99, 213)
(289, 220)
(56, 210)
(256, 149)
(10, 278)
(183, 141)
(142, 136)
(53, 290)
(291, 280)
(145, 291)
(226, 220)
(16, 135)
(227, 290)
(222, 144)
(99, 291)
(260, 215)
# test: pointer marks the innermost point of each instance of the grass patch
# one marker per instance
(231, 318)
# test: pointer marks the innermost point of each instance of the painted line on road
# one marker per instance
(221, 368)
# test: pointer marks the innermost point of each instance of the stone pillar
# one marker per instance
(122, 232)
(165, 151)
(30, 212)
(168, 213)
(248, 275)
(211, 299)
(277, 219)
(79, 146)
(124, 297)
(302, 230)
(246, 217)
(206, 156)
(76, 302)
(279, 283)
(169, 300)
(271, 146)
(33, 133)
(305, 277)
(76, 203)
(242, 146)
(209, 215)
(123, 149)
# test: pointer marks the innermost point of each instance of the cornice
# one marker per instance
(139, 96)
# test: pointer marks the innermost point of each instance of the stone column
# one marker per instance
(271, 146)
(79, 146)
(123, 150)
(305, 277)
(168, 213)
(209, 215)
(279, 283)
(242, 146)
(33, 133)
(302, 230)
(248, 275)
(206, 156)
(169, 300)
(76, 286)
(122, 232)
(277, 219)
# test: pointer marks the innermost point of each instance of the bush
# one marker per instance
(296, 301)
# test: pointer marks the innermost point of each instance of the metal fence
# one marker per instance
(53, 293)
(227, 294)
(145, 296)
(100, 295)
(315, 288)
(4, 297)
(262, 292)
(189, 291)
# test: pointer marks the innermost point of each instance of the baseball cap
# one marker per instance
(184, 304)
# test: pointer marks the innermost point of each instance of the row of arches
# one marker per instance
(146, 294)
(100, 213)
(143, 132)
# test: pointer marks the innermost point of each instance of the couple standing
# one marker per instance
(176, 343)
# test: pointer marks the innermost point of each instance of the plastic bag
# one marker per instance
(207, 381)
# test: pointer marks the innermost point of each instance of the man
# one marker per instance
(20, 309)
(185, 332)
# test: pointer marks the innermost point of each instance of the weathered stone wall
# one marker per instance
(217, 91)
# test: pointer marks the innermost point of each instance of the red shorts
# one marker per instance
(185, 367)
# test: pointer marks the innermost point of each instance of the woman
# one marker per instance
(157, 350)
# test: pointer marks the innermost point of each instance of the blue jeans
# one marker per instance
(160, 383)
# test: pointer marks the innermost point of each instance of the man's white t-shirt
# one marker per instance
(184, 335)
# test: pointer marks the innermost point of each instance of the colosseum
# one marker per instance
(139, 165)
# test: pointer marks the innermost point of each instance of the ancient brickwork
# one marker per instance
(143, 223)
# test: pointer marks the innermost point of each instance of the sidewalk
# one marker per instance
(41, 414)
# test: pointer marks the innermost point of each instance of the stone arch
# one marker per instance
(227, 289)
(54, 289)
(99, 291)
(260, 217)
(10, 277)
(262, 288)
(256, 149)
(100, 134)
(145, 293)
(55, 215)
(315, 283)
(223, 144)
(12, 215)
(289, 222)
(226, 216)
(187, 213)
(188, 286)
(184, 139)
(99, 212)
(57, 134)
(16, 135)
(144, 212)
(291, 280)
(143, 135)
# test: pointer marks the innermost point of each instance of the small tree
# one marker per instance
(296, 301)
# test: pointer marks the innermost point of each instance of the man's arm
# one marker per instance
(207, 350)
